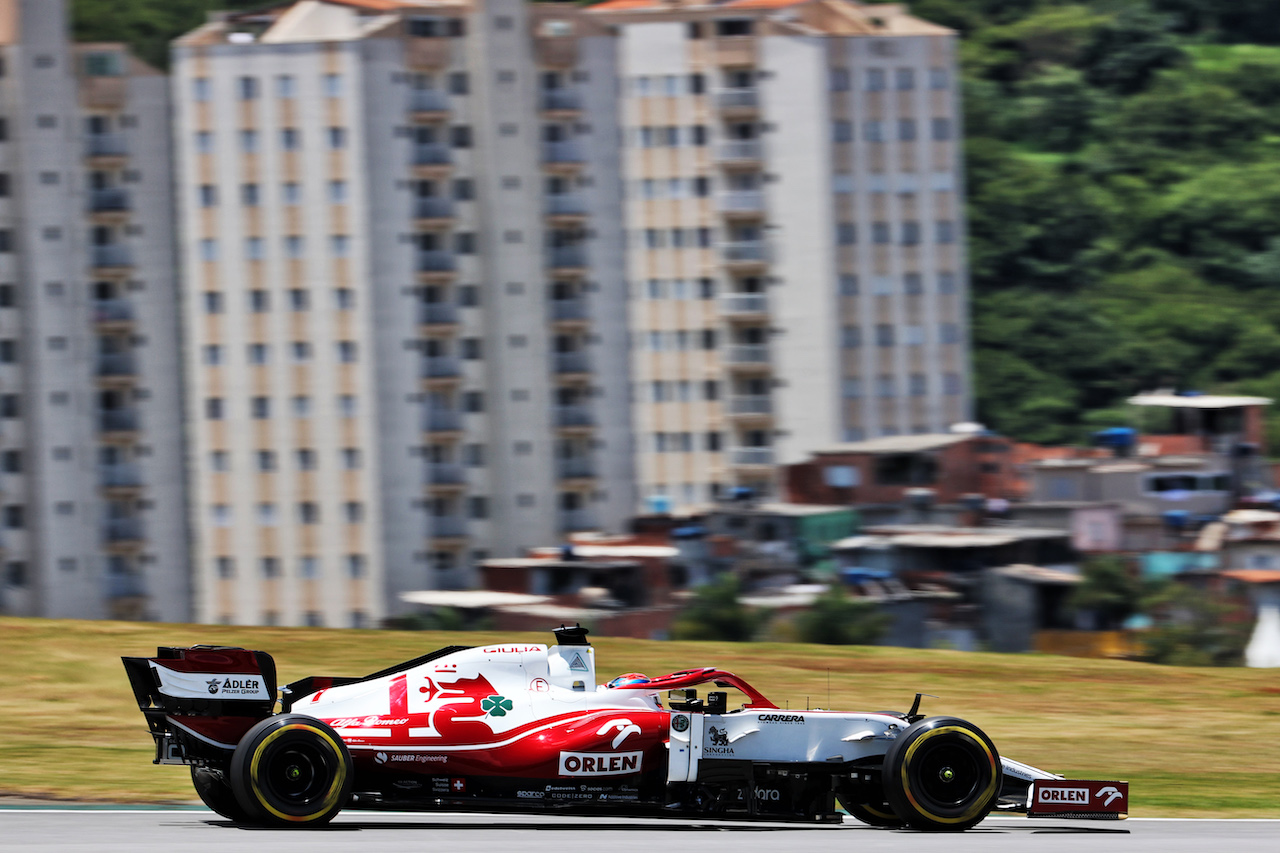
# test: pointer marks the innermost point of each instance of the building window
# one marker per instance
(213, 408)
(212, 302)
(249, 141)
(851, 388)
(286, 86)
(337, 138)
(260, 408)
(208, 250)
(917, 385)
(225, 567)
(873, 131)
(941, 129)
(332, 85)
(880, 233)
(946, 231)
(248, 88)
(347, 352)
(884, 335)
(340, 244)
(939, 78)
(839, 78)
(355, 565)
(904, 79)
(884, 385)
(259, 301)
(309, 512)
(842, 131)
(846, 233)
(906, 130)
(290, 139)
(874, 80)
(851, 337)
(951, 383)
(208, 195)
(200, 88)
(337, 192)
(460, 136)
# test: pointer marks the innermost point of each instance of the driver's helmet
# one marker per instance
(629, 678)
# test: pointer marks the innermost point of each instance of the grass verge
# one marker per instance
(1194, 742)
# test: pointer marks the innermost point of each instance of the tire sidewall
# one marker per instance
(253, 756)
(902, 784)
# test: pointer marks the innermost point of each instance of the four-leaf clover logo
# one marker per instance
(496, 706)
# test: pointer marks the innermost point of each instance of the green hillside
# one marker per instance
(1191, 741)
(1123, 161)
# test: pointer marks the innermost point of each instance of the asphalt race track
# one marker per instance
(106, 830)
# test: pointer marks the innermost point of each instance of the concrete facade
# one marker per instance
(90, 429)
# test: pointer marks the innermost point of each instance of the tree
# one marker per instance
(716, 614)
(1192, 629)
(1109, 590)
(835, 619)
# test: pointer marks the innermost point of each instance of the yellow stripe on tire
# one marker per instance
(978, 805)
(330, 797)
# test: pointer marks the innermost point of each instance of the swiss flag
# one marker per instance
(458, 786)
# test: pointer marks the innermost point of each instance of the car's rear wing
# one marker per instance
(198, 701)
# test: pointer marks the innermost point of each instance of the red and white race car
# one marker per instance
(526, 726)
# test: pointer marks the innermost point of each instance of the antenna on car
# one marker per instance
(914, 714)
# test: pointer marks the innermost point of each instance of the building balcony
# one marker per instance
(574, 417)
(432, 155)
(567, 152)
(738, 101)
(751, 457)
(117, 365)
(737, 305)
(120, 475)
(741, 204)
(446, 474)
(567, 258)
(750, 406)
(575, 520)
(126, 585)
(433, 207)
(115, 256)
(567, 205)
(119, 420)
(580, 468)
(747, 356)
(112, 312)
(106, 145)
(436, 264)
(441, 367)
(561, 101)
(429, 103)
(442, 420)
(570, 310)
(123, 531)
(109, 200)
(745, 254)
(740, 152)
(448, 527)
(572, 362)
(438, 314)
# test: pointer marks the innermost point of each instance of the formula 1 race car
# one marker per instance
(526, 727)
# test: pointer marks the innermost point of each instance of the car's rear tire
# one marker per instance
(291, 770)
(942, 774)
(216, 793)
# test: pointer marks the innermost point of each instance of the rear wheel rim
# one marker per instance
(298, 774)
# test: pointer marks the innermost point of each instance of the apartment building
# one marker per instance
(91, 474)
(464, 277)
(404, 314)
(794, 212)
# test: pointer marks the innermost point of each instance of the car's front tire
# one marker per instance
(291, 770)
(942, 774)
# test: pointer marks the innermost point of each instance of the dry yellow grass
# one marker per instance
(1194, 742)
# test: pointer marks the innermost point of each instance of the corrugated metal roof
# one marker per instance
(466, 598)
(896, 444)
(1203, 401)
